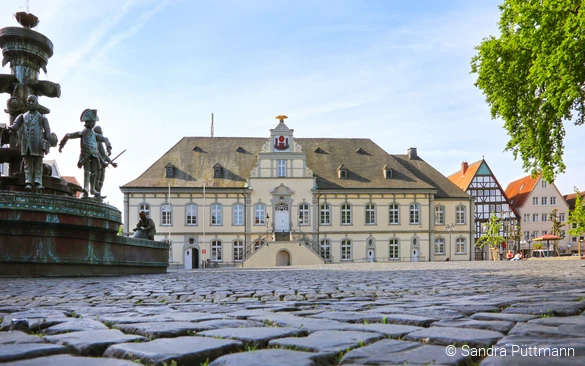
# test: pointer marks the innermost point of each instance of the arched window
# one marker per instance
(460, 215)
(304, 214)
(238, 251)
(216, 251)
(144, 207)
(216, 214)
(394, 248)
(191, 213)
(394, 213)
(345, 214)
(460, 247)
(415, 213)
(439, 246)
(260, 214)
(325, 249)
(166, 215)
(325, 214)
(370, 214)
(346, 252)
(238, 214)
(439, 215)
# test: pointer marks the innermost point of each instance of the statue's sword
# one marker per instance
(117, 156)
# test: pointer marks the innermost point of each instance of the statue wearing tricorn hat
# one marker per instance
(89, 158)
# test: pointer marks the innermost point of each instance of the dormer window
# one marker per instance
(388, 172)
(197, 149)
(240, 150)
(361, 151)
(169, 171)
(217, 171)
(318, 150)
(342, 172)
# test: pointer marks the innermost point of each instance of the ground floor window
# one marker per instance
(460, 246)
(238, 251)
(325, 249)
(439, 246)
(216, 251)
(393, 252)
(346, 250)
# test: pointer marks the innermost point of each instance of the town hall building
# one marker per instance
(281, 200)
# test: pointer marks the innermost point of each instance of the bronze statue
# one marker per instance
(89, 158)
(145, 228)
(35, 139)
(101, 173)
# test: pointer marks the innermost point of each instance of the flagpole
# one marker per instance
(203, 222)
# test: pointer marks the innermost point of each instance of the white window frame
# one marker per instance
(260, 214)
(394, 214)
(534, 217)
(346, 250)
(216, 251)
(346, 213)
(553, 200)
(439, 215)
(325, 214)
(460, 215)
(562, 217)
(216, 217)
(325, 248)
(544, 217)
(370, 210)
(191, 214)
(414, 214)
(281, 168)
(166, 214)
(526, 217)
(439, 246)
(144, 207)
(460, 246)
(394, 249)
(238, 250)
(304, 212)
(535, 201)
(238, 214)
(544, 200)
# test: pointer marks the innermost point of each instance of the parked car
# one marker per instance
(542, 253)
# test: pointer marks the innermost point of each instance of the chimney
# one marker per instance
(464, 167)
(412, 153)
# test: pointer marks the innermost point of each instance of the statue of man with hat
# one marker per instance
(89, 158)
(35, 139)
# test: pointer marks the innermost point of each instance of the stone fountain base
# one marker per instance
(44, 235)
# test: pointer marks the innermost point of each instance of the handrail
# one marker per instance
(309, 243)
(250, 249)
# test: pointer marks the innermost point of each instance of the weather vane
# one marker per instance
(281, 117)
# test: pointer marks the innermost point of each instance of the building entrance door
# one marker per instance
(415, 255)
(281, 218)
(371, 255)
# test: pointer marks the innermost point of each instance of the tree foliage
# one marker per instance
(556, 224)
(492, 235)
(577, 216)
(533, 77)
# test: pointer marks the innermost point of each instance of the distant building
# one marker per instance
(534, 199)
(478, 180)
(574, 240)
(73, 180)
(282, 200)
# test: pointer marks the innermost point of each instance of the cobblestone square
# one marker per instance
(493, 313)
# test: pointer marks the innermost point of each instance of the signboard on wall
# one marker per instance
(203, 251)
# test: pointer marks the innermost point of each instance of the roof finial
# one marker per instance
(281, 117)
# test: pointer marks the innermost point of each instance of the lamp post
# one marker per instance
(450, 228)
(580, 243)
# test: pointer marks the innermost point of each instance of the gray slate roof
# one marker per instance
(365, 169)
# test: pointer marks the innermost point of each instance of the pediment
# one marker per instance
(282, 190)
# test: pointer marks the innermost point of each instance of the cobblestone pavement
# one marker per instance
(493, 313)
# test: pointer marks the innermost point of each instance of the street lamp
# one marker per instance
(450, 228)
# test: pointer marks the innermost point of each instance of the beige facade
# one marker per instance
(285, 201)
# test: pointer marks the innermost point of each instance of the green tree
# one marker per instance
(556, 226)
(533, 77)
(577, 217)
(492, 235)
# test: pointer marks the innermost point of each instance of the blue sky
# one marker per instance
(395, 71)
